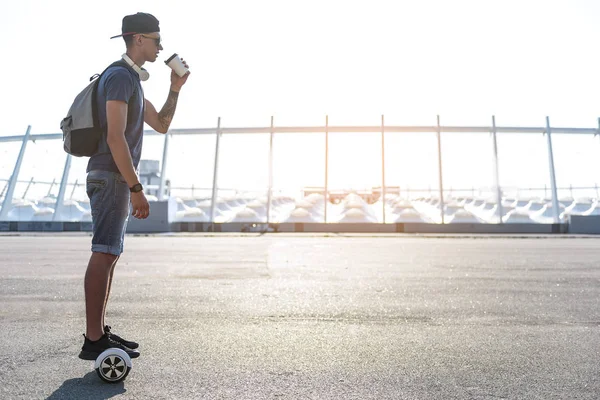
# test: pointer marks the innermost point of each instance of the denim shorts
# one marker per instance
(109, 202)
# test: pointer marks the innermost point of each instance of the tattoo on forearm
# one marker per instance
(165, 116)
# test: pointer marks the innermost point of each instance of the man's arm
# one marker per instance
(160, 121)
(116, 118)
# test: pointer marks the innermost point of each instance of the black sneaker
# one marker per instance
(117, 338)
(91, 350)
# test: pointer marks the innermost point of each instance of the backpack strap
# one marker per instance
(115, 64)
(119, 63)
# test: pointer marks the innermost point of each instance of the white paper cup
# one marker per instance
(174, 62)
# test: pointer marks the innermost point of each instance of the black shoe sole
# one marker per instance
(92, 355)
(88, 355)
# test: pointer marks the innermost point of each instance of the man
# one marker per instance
(112, 181)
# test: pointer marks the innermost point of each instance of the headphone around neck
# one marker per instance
(143, 74)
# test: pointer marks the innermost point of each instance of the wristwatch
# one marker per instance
(136, 188)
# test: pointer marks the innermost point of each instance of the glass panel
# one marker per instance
(190, 165)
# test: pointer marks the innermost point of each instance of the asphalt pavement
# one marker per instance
(304, 316)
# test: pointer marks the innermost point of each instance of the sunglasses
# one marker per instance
(156, 40)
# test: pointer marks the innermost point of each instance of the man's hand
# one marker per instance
(140, 206)
(161, 121)
(178, 81)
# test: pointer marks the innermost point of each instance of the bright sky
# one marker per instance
(299, 61)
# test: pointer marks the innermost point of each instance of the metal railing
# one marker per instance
(272, 130)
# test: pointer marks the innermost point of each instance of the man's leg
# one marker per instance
(97, 282)
(96, 285)
(130, 344)
(110, 278)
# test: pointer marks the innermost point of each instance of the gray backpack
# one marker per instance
(81, 128)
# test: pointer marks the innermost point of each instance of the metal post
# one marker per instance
(7, 204)
(497, 173)
(383, 165)
(269, 197)
(51, 187)
(439, 141)
(163, 168)
(326, 165)
(215, 174)
(74, 188)
(27, 188)
(552, 174)
(597, 133)
(571, 190)
(61, 192)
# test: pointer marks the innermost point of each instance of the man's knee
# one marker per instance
(104, 258)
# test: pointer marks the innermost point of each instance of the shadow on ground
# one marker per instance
(89, 387)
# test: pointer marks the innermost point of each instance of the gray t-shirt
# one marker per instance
(121, 83)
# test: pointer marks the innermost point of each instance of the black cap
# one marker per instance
(138, 23)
